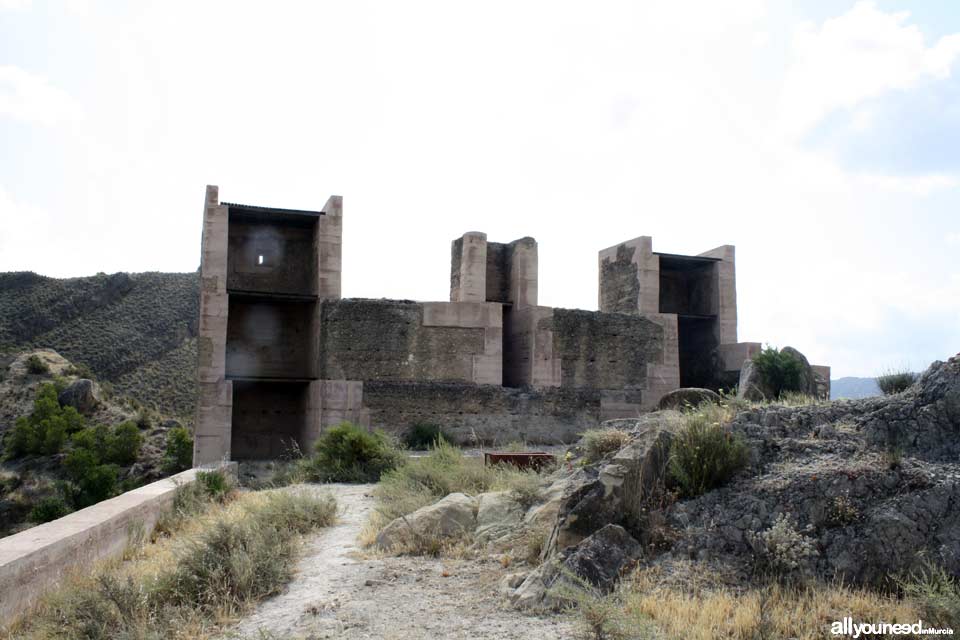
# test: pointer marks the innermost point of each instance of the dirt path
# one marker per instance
(343, 592)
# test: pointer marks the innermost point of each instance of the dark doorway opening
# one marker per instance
(697, 344)
(269, 417)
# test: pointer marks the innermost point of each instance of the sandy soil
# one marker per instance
(341, 591)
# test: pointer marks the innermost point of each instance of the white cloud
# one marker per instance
(15, 5)
(31, 98)
(859, 55)
(916, 185)
(953, 238)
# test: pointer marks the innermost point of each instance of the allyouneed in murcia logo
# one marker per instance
(847, 627)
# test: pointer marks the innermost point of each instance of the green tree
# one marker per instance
(45, 430)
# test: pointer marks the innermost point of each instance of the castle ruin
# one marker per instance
(282, 355)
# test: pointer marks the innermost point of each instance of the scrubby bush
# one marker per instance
(348, 453)
(938, 595)
(37, 366)
(45, 430)
(783, 548)
(423, 436)
(445, 470)
(704, 455)
(48, 509)
(598, 443)
(178, 453)
(123, 446)
(93, 463)
(781, 372)
(236, 558)
(79, 370)
(892, 382)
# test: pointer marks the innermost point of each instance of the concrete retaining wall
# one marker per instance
(36, 560)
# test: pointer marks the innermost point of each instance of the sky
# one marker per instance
(820, 138)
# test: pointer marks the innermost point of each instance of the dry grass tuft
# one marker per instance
(213, 567)
(774, 611)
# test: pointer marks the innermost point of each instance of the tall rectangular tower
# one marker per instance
(264, 272)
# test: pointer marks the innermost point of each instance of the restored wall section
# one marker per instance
(630, 278)
(484, 413)
(400, 340)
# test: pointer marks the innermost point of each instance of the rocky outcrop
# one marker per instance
(857, 491)
(450, 517)
(83, 395)
(596, 563)
(620, 489)
(688, 397)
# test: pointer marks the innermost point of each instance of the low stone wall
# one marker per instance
(488, 413)
(36, 560)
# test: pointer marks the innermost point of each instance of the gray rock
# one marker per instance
(454, 515)
(751, 386)
(688, 397)
(498, 513)
(596, 563)
(83, 395)
(620, 489)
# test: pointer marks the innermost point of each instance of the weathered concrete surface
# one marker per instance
(35, 560)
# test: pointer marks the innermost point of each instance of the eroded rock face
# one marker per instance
(874, 484)
(692, 397)
(617, 493)
(83, 395)
(449, 517)
(751, 385)
(597, 561)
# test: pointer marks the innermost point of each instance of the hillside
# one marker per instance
(136, 332)
(854, 388)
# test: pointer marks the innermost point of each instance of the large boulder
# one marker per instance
(597, 562)
(452, 516)
(83, 395)
(687, 397)
(808, 379)
(498, 513)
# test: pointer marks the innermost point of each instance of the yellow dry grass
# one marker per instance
(775, 611)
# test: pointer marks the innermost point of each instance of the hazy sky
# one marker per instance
(820, 138)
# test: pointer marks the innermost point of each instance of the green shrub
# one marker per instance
(598, 443)
(704, 455)
(79, 370)
(423, 436)
(37, 366)
(45, 430)
(780, 371)
(348, 453)
(123, 446)
(178, 453)
(937, 593)
(214, 483)
(48, 509)
(144, 418)
(892, 382)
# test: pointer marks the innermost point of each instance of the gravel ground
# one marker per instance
(341, 591)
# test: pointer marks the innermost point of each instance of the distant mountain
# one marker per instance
(135, 331)
(853, 388)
